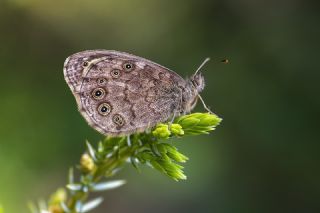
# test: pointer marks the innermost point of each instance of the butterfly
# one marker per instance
(120, 94)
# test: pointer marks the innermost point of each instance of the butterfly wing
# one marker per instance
(119, 93)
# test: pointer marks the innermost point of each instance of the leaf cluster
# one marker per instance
(153, 148)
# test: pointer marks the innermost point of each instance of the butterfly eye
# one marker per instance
(104, 109)
(128, 66)
(85, 64)
(98, 93)
(115, 73)
(118, 120)
(101, 81)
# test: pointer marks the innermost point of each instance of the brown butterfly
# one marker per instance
(120, 94)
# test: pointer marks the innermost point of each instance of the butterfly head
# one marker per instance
(196, 84)
(197, 81)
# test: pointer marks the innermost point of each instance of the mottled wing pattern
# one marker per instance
(119, 93)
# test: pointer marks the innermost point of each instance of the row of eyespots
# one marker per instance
(127, 66)
(115, 73)
(105, 108)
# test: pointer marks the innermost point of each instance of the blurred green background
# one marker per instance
(263, 158)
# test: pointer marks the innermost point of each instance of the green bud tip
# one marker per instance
(176, 129)
(59, 196)
(86, 163)
(161, 131)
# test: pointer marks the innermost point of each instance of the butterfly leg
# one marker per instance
(204, 105)
(173, 117)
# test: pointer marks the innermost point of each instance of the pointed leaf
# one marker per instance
(108, 185)
(100, 147)
(64, 207)
(32, 207)
(91, 151)
(91, 204)
(78, 206)
(133, 161)
(74, 187)
(70, 176)
(42, 204)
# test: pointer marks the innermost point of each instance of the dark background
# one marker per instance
(263, 158)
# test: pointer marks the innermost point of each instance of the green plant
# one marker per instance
(152, 148)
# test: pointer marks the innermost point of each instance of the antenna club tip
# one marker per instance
(225, 61)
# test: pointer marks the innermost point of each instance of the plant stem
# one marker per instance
(107, 166)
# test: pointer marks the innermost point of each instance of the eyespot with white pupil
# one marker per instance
(101, 81)
(85, 64)
(104, 109)
(98, 93)
(118, 120)
(128, 66)
(115, 73)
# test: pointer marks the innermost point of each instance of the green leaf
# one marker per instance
(154, 149)
(78, 206)
(92, 152)
(32, 207)
(133, 161)
(70, 176)
(161, 148)
(157, 166)
(174, 154)
(74, 187)
(42, 204)
(107, 185)
(91, 205)
(172, 170)
(64, 207)
(198, 123)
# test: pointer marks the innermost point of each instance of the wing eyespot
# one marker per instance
(101, 81)
(104, 109)
(118, 120)
(98, 93)
(115, 73)
(128, 66)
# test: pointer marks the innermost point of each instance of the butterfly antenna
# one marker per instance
(224, 61)
(204, 105)
(203, 63)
